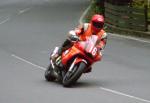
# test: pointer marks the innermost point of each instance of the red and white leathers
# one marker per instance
(84, 31)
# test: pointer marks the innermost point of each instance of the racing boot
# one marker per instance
(54, 57)
(58, 65)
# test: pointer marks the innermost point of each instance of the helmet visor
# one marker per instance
(97, 24)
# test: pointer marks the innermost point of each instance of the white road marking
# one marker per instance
(26, 61)
(131, 38)
(20, 12)
(126, 95)
(24, 10)
(4, 21)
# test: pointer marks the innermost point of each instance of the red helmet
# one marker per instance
(97, 23)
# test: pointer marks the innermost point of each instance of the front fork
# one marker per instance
(76, 60)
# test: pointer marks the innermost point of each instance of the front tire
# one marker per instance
(72, 76)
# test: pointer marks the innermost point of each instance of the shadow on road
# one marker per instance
(79, 84)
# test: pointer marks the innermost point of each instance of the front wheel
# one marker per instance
(72, 76)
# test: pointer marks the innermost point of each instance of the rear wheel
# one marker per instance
(49, 74)
(72, 76)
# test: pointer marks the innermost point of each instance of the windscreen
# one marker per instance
(91, 43)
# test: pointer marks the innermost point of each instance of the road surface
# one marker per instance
(29, 30)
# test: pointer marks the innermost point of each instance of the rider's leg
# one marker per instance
(57, 58)
(67, 44)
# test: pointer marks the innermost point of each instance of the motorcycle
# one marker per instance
(74, 61)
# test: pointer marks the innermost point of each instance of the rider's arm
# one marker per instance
(103, 41)
(78, 31)
(81, 29)
(72, 36)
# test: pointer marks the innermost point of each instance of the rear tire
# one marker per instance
(71, 77)
(49, 74)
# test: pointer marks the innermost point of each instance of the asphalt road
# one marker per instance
(29, 29)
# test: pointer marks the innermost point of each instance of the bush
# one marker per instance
(138, 3)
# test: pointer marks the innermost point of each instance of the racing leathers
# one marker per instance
(82, 33)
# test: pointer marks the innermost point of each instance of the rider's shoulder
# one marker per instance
(85, 26)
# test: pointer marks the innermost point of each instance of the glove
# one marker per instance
(72, 36)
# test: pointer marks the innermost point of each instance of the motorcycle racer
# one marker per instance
(82, 32)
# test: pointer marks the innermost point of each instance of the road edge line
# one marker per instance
(28, 62)
(123, 94)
